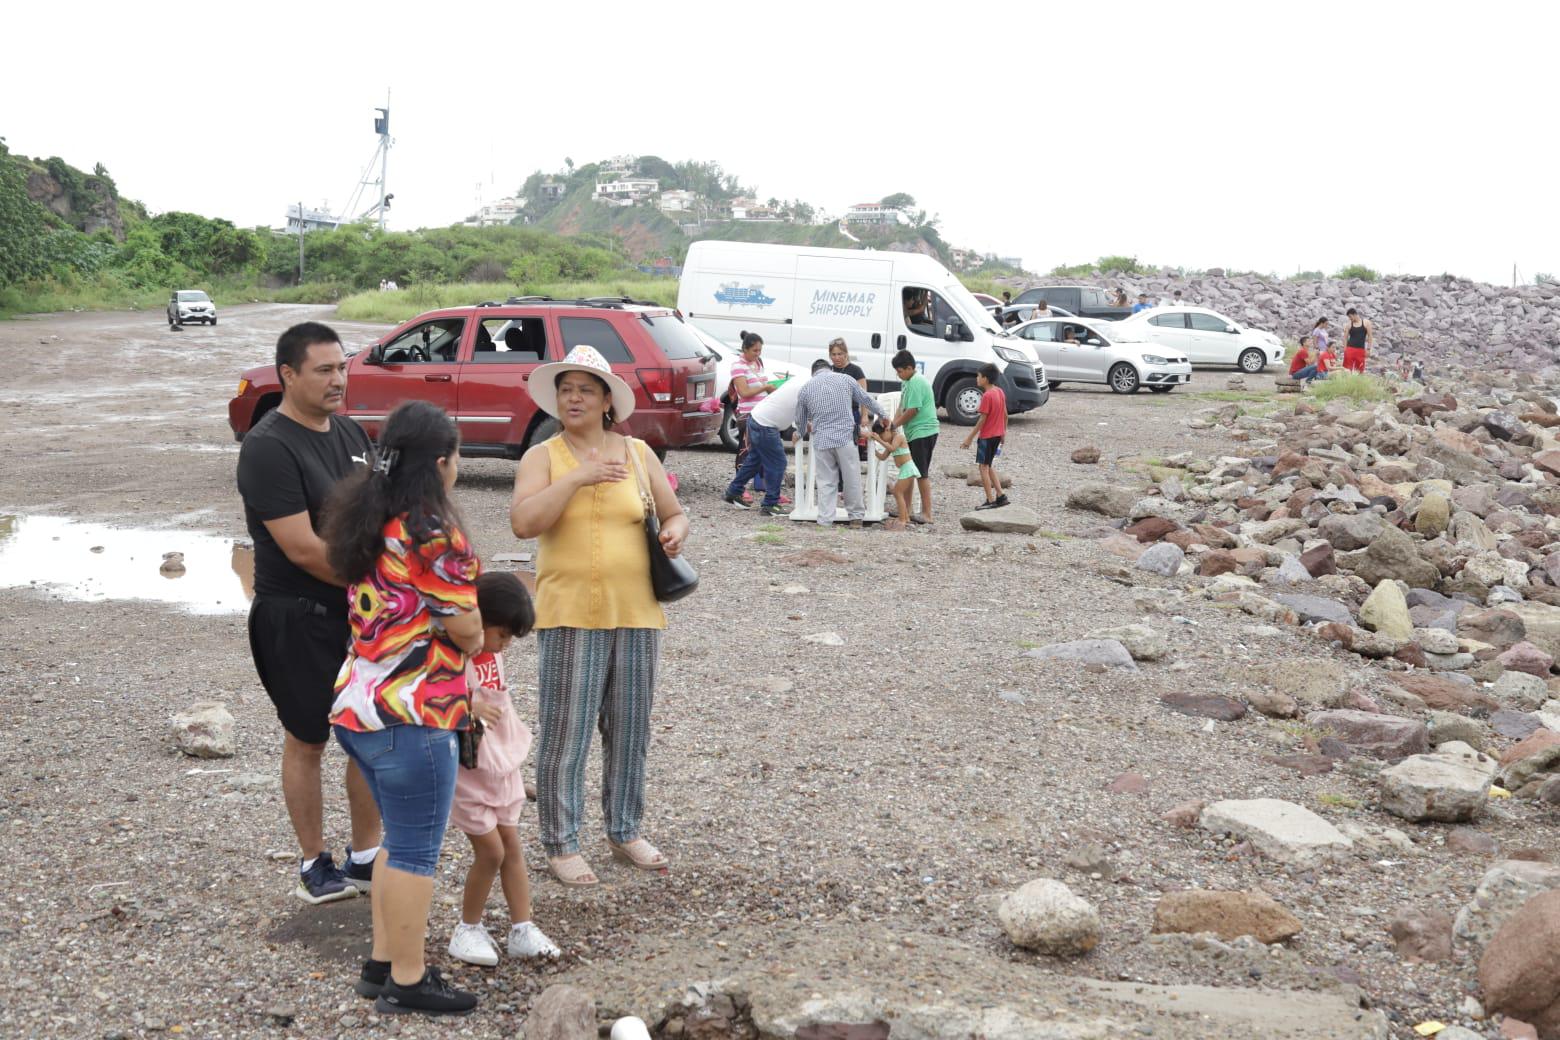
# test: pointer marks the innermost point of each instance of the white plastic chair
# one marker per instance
(874, 488)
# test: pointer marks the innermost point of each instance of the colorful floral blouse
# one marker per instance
(402, 669)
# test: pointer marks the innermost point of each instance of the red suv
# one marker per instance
(474, 363)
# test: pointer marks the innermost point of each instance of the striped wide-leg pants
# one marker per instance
(605, 678)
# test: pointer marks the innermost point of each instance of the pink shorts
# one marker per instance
(476, 818)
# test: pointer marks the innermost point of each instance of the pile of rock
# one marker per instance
(1439, 319)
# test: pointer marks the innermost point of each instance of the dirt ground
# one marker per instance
(904, 780)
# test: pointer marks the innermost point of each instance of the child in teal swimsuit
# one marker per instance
(895, 446)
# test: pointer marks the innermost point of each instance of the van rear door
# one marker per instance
(846, 297)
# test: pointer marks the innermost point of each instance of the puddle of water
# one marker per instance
(96, 562)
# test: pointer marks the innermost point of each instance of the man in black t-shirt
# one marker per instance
(298, 630)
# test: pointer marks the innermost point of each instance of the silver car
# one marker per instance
(1084, 350)
(188, 305)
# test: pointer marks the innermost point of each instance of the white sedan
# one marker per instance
(1082, 350)
(1206, 337)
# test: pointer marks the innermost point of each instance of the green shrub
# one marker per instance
(1361, 389)
(1072, 271)
(1359, 271)
(1119, 265)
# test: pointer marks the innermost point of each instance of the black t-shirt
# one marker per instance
(285, 468)
(853, 370)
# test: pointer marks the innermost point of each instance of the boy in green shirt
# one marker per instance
(918, 415)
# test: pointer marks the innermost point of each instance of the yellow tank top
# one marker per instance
(593, 566)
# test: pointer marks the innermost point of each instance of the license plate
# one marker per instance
(701, 391)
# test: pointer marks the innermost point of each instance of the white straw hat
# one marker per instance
(544, 382)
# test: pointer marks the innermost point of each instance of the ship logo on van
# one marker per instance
(735, 294)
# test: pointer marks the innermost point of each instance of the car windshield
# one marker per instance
(674, 337)
(195, 296)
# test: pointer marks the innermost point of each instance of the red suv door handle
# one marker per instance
(436, 379)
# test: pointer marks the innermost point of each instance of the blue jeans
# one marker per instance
(411, 772)
(767, 457)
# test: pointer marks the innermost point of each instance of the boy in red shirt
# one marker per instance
(991, 429)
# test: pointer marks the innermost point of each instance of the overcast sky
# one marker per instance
(1409, 137)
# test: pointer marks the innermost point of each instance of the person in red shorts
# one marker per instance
(1361, 335)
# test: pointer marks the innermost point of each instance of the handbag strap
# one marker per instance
(634, 459)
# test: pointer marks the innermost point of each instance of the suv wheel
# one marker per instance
(1252, 361)
(213, 319)
(545, 429)
(1124, 379)
(728, 430)
(962, 401)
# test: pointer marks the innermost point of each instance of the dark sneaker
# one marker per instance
(1002, 500)
(733, 500)
(373, 978)
(359, 875)
(431, 996)
(771, 511)
(323, 882)
(987, 505)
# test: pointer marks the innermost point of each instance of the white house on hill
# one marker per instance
(875, 213)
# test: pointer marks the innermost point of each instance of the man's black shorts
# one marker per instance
(298, 647)
(921, 453)
(986, 450)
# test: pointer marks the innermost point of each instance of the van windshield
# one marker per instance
(969, 308)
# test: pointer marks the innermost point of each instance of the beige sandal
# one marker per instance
(572, 870)
(639, 853)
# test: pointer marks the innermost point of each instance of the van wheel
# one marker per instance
(728, 430)
(1124, 379)
(963, 402)
(1252, 361)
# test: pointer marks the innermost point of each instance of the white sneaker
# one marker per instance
(472, 943)
(527, 940)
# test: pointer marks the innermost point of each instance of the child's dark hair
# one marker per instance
(504, 603)
(880, 426)
(990, 372)
(402, 478)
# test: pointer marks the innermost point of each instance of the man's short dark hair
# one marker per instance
(820, 365)
(990, 372)
(292, 347)
(504, 603)
(903, 359)
(1351, 312)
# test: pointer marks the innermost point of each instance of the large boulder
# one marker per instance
(1499, 628)
(1163, 559)
(1010, 519)
(206, 730)
(1280, 830)
(1421, 936)
(1506, 885)
(1444, 694)
(1392, 556)
(1229, 915)
(562, 1012)
(1380, 736)
(1315, 609)
(1204, 705)
(1541, 624)
(1435, 514)
(1520, 969)
(1442, 787)
(1045, 916)
(1104, 652)
(1142, 642)
(1385, 611)
(1525, 657)
(1103, 499)
(1348, 531)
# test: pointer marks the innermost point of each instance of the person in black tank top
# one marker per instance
(1360, 336)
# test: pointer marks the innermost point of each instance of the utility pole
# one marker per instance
(300, 241)
(384, 165)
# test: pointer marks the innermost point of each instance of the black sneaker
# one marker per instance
(359, 875)
(1002, 500)
(373, 978)
(733, 500)
(323, 882)
(431, 996)
(987, 505)
(771, 511)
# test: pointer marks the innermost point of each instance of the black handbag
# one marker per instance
(470, 741)
(672, 578)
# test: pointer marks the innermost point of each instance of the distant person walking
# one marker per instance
(826, 412)
(289, 463)
(917, 415)
(1361, 335)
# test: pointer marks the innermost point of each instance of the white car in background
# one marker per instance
(724, 356)
(1206, 337)
(1084, 350)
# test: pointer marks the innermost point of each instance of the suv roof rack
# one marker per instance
(614, 302)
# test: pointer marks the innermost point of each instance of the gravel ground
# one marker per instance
(906, 779)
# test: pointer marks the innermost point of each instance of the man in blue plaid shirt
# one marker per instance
(826, 414)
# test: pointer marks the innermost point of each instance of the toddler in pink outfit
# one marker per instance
(490, 798)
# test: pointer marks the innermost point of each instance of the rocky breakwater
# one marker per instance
(1439, 319)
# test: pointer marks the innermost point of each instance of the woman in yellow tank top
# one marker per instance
(598, 624)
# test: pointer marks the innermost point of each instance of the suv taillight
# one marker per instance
(657, 383)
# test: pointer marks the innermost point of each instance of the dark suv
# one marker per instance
(1086, 301)
(474, 363)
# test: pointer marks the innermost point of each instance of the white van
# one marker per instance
(799, 298)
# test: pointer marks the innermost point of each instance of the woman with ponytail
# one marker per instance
(394, 535)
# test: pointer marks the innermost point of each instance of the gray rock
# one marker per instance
(1044, 915)
(1436, 641)
(1393, 555)
(1141, 641)
(1293, 572)
(1280, 830)
(1349, 531)
(1504, 887)
(1315, 609)
(562, 1012)
(1441, 787)
(1013, 519)
(1446, 726)
(1378, 736)
(1162, 558)
(1514, 725)
(1106, 652)
(1103, 499)
(206, 730)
